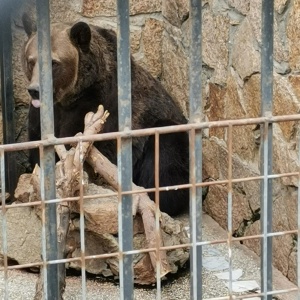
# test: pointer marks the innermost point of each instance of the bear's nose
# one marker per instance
(34, 93)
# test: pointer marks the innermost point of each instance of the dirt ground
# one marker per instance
(245, 270)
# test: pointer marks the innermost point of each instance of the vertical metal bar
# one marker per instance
(4, 227)
(82, 228)
(266, 145)
(7, 99)
(229, 205)
(124, 150)
(47, 130)
(44, 231)
(196, 147)
(157, 217)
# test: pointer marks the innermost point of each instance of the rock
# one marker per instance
(280, 5)
(92, 8)
(24, 188)
(243, 137)
(175, 11)
(292, 272)
(175, 63)
(152, 42)
(215, 33)
(244, 46)
(252, 96)
(23, 233)
(215, 108)
(135, 41)
(245, 195)
(292, 30)
(243, 6)
(144, 7)
(285, 103)
(216, 205)
(101, 230)
(280, 253)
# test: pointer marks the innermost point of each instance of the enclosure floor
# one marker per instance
(21, 285)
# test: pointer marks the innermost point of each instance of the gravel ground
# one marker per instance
(21, 285)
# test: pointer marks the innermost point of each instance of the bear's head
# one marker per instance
(80, 57)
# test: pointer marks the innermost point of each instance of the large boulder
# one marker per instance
(23, 227)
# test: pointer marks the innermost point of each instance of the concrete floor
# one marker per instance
(245, 266)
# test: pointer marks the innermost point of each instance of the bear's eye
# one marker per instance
(55, 67)
(55, 64)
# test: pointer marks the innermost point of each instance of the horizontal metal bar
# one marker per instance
(160, 189)
(254, 295)
(147, 250)
(148, 131)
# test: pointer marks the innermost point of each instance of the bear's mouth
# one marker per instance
(36, 103)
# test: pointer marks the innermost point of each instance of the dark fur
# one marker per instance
(152, 106)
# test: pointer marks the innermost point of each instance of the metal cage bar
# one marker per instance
(195, 148)
(266, 145)
(157, 218)
(124, 151)
(82, 227)
(7, 97)
(47, 158)
(4, 226)
(124, 145)
(230, 206)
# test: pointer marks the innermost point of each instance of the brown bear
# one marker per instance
(84, 66)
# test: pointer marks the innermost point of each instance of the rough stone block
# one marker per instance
(152, 42)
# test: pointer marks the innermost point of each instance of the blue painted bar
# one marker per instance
(47, 158)
(195, 148)
(124, 150)
(7, 96)
(266, 145)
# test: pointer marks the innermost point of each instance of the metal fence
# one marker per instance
(50, 257)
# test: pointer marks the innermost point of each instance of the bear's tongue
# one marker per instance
(36, 103)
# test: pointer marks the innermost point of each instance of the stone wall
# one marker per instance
(231, 89)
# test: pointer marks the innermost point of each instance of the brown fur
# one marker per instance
(63, 53)
(84, 76)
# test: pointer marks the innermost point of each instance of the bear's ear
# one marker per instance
(80, 35)
(28, 24)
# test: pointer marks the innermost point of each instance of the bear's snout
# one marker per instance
(34, 92)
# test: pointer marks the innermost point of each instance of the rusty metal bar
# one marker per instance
(195, 114)
(266, 146)
(81, 225)
(124, 151)
(229, 207)
(109, 255)
(148, 131)
(254, 295)
(157, 218)
(51, 289)
(7, 97)
(160, 189)
(44, 270)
